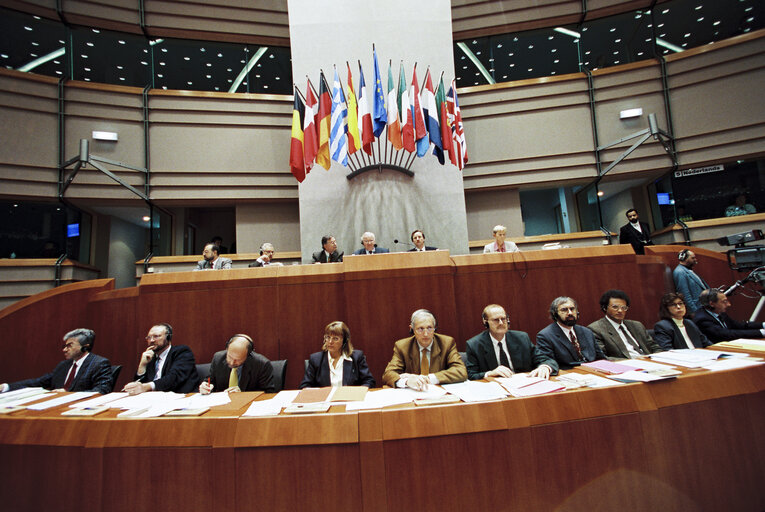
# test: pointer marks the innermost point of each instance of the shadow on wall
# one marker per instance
(127, 243)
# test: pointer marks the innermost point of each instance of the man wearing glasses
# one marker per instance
(424, 358)
(619, 338)
(164, 367)
(501, 352)
(569, 344)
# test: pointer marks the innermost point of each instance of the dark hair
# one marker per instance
(666, 300)
(325, 239)
(339, 328)
(708, 297)
(556, 303)
(250, 345)
(411, 237)
(613, 294)
(217, 237)
(683, 255)
(630, 210)
(213, 247)
(85, 337)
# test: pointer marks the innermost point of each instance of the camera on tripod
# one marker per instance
(744, 257)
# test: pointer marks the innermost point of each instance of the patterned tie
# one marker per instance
(631, 340)
(233, 379)
(424, 363)
(501, 248)
(503, 357)
(70, 377)
(575, 343)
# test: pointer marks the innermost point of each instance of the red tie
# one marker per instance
(575, 343)
(501, 248)
(70, 377)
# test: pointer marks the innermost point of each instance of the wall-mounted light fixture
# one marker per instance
(630, 112)
(107, 136)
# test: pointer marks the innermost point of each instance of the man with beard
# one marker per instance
(164, 367)
(238, 368)
(212, 260)
(569, 344)
(635, 232)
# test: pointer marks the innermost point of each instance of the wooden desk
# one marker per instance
(691, 443)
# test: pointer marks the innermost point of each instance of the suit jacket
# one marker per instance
(355, 372)
(734, 330)
(320, 257)
(179, 373)
(95, 374)
(445, 361)
(427, 248)
(509, 247)
(257, 373)
(630, 235)
(553, 343)
(378, 250)
(220, 264)
(668, 336)
(611, 343)
(690, 284)
(523, 354)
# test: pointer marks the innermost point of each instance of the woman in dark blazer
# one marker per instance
(337, 364)
(673, 330)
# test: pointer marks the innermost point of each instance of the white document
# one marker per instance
(639, 376)
(27, 399)
(518, 380)
(720, 353)
(20, 394)
(589, 381)
(285, 397)
(65, 399)
(199, 401)
(381, 398)
(538, 388)
(730, 364)
(642, 364)
(98, 401)
(472, 391)
(270, 407)
(747, 341)
(145, 400)
(432, 391)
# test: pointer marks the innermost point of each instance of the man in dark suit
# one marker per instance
(569, 344)
(266, 257)
(617, 337)
(424, 358)
(368, 241)
(635, 232)
(418, 239)
(715, 323)
(500, 352)
(79, 371)
(239, 368)
(329, 253)
(164, 367)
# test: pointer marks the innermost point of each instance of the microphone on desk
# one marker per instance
(395, 241)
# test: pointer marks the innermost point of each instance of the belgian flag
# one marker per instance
(297, 165)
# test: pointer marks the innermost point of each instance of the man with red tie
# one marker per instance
(499, 244)
(212, 260)
(79, 371)
(569, 344)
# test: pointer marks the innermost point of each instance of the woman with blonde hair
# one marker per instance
(338, 364)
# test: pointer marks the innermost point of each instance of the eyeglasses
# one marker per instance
(619, 308)
(327, 337)
(678, 304)
(564, 309)
(154, 337)
(423, 330)
(500, 320)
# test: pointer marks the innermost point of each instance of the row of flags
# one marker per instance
(335, 123)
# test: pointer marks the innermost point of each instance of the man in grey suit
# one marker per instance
(619, 338)
(212, 260)
(239, 368)
(79, 371)
(569, 344)
(688, 282)
(500, 352)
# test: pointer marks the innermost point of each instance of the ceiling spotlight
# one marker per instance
(146, 218)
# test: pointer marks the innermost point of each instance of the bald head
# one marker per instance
(237, 351)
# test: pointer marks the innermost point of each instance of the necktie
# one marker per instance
(503, 357)
(157, 367)
(212, 265)
(575, 343)
(424, 363)
(501, 248)
(631, 340)
(233, 379)
(70, 377)
(722, 322)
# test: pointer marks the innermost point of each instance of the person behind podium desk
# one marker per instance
(565, 341)
(163, 366)
(674, 330)
(212, 260)
(266, 257)
(424, 358)
(635, 232)
(715, 323)
(239, 368)
(338, 364)
(418, 239)
(370, 247)
(499, 244)
(500, 352)
(80, 370)
(328, 253)
(617, 337)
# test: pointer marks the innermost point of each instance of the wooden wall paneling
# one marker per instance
(114, 318)
(372, 462)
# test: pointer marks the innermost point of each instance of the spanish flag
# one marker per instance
(297, 166)
(325, 115)
(354, 140)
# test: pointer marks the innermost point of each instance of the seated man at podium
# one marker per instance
(418, 239)
(618, 337)
(164, 367)
(569, 344)
(499, 244)
(329, 253)
(266, 257)
(715, 323)
(212, 260)
(239, 368)
(424, 358)
(370, 247)
(79, 371)
(500, 352)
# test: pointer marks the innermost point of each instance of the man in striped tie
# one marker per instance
(569, 344)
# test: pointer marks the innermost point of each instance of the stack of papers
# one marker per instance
(472, 391)
(607, 367)
(64, 399)
(19, 397)
(386, 397)
(692, 357)
(744, 344)
(520, 385)
(587, 381)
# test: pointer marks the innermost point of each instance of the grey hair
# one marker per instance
(85, 337)
(556, 304)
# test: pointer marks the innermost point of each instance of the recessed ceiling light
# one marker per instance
(119, 67)
(160, 75)
(58, 72)
(503, 76)
(553, 50)
(478, 53)
(464, 67)
(512, 65)
(28, 28)
(144, 63)
(556, 61)
(665, 11)
(510, 54)
(220, 55)
(202, 50)
(700, 19)
(84, 56)
(716, 23)
(3, 55)
(550, 38)
(530, 70)
(56, 62)
(617, 40)
(228, 69)
(265, 86)
(208, 76)
(698, 7)
(499, 45)
(229, 80)
(189, 83)
(552, 72)
(96, 31)
(749, 20)
(164, 50)
(86, 69)
(687, 35)
(35, 44)
(209, 65)
(217, 89)
(120, 41)
(161, 63)
(187, 58)
(87, 79)
(164, 87)
(613, 30)
(33, 55)
(122, 78)
(531, 46)
(90, 44)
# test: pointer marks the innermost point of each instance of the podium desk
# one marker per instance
(691, 443)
